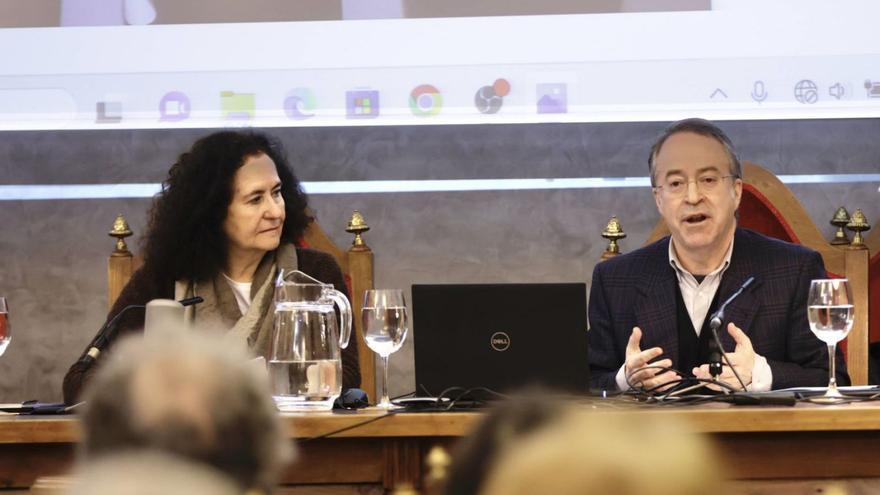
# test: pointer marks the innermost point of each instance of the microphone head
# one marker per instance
(162, 316)
(716, 321)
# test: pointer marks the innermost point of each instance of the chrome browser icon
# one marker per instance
(425, 100)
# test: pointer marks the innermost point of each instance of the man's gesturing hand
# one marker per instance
(636, 359)
(742, 358)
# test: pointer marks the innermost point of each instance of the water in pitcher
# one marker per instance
(305, 385)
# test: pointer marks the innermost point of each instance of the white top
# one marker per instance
(242, 291)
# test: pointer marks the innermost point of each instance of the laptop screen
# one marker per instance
(501, 337)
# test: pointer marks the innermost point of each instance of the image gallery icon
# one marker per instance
(362, 104)
(425, 100)
(552, 97)
(489, 99)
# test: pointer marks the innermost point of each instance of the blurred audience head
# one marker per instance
(149, 473)
(505, 424)
(192, 396)
(607, 452)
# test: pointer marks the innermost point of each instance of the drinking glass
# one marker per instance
(830, 311)
(5, 334)
(385, 327)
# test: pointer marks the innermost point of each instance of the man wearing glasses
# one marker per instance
(649, 309)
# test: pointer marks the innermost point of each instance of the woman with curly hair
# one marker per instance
(225, 222)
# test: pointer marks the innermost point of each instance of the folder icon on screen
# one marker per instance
(237, 106)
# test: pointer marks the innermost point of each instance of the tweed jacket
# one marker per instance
(638, 289)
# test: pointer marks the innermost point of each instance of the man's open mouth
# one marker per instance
(695, 218)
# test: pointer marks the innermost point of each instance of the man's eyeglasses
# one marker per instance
(677, 186)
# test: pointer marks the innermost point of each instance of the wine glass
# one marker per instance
(830, 311)
(5, 334)
(384, 323)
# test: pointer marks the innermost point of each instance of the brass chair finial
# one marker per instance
(437, 461)
(858, 223)
(841, 218)
(613, 232)
(357, 226)
(120, 231)
(404, 489)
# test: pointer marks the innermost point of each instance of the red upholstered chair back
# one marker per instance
(873, 243)
(758, 213)
(769, 207)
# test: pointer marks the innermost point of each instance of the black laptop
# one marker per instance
(501, 337)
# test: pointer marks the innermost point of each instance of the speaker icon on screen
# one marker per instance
(837, 91)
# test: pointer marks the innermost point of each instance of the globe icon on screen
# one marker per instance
(806, 91)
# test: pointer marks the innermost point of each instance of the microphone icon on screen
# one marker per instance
(759, 93)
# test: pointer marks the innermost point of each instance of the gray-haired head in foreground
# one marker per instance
(605, 452)
(190, 395)
(701, 127)
(149, 473)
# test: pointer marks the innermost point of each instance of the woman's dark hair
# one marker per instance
(185, 237)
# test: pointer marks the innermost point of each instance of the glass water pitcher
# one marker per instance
(305, 361)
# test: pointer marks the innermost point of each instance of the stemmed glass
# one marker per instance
(384, 319)
(830, 311)
(5, 333)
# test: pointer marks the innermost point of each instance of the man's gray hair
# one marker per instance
(190, 395)
(701, 127)
(148, 473)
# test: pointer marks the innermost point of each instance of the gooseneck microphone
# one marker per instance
(106, 333)
(716, 352)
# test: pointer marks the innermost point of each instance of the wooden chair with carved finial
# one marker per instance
(873, 244)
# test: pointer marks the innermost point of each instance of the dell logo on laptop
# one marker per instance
(499, 341)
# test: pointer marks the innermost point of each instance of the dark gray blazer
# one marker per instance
(638, 289)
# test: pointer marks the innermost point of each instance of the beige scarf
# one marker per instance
(220, 313)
